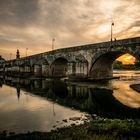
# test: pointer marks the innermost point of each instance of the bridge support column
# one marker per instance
(73, 68)
(99, 72)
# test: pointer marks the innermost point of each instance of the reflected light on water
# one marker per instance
(124, 93)
(36, 113)
(41, 104)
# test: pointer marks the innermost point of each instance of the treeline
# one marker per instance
(120, 66)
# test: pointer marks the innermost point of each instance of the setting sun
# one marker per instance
(127, 59)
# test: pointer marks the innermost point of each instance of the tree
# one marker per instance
(137, 64)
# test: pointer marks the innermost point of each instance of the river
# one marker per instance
(43, 105)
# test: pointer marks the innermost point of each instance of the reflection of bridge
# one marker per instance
(92, 100)
(93, 60)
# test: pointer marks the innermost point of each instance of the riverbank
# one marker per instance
(135, 87)
(103, 129)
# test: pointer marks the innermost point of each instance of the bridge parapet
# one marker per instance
(92, 59)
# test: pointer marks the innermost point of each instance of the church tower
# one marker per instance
(17, 55)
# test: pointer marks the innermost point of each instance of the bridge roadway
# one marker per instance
(92, 60)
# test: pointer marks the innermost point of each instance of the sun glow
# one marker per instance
(104, 28)
(127, 59)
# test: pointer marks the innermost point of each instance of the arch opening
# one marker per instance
(125, 62)
(59, 67)
(102, 67)
(126, 59)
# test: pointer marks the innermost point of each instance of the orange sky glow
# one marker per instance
(33, 23)
(127, 59)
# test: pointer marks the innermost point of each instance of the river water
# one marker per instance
(43, 105)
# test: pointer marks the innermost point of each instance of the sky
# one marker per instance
(127, 59)
(33, 24)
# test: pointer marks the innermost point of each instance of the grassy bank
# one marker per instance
(105, 129)
(136, 87)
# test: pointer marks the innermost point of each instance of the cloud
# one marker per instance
(136, 23)
(18, 12)
(33, 23)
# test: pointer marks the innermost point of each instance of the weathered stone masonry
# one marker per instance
(92, 60)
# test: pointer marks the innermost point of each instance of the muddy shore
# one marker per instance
(135, 87)
(102, 129)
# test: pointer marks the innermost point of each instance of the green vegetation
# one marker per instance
(137, 65)
(103, 129)
(120, 66)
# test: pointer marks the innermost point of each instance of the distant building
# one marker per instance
(17, 54)
(2, 64)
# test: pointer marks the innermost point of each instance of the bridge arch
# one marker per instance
(102, 68)
(41, 67)
(59, 67)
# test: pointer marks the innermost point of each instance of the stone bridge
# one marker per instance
(93, 60)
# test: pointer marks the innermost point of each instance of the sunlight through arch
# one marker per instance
(127, 59)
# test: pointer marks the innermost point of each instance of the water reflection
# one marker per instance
(106, 99)
(127, 75)
(22, 110)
